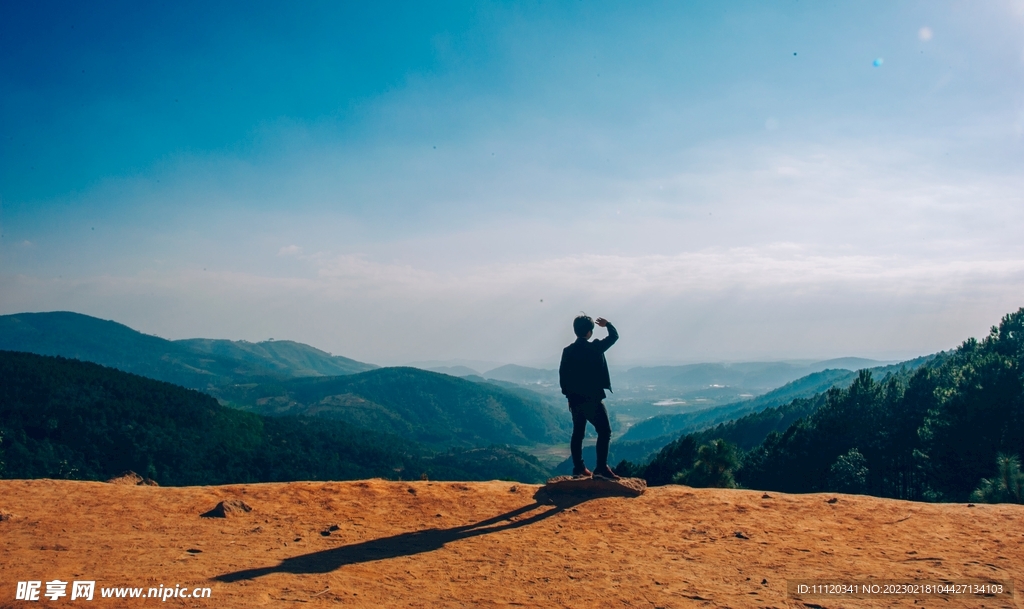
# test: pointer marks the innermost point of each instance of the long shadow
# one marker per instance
(409, 544)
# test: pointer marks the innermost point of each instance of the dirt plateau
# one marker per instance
(377, 543)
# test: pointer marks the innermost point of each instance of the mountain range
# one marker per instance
(277, 378)
(202, 364)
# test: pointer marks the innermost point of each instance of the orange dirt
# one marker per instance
(449, 544)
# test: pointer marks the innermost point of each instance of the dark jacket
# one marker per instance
(584, 371)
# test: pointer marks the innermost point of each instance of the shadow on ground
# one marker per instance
(545, 505)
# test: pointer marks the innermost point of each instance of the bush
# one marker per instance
(714, 467)
(849, 474)
(1006, 487)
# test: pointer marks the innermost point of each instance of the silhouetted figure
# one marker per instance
(583, 375)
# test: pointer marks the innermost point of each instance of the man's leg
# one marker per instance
(579, 429)
(599, 418)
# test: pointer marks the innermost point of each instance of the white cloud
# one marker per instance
(289, 250)
(775, 301)
(924, 34)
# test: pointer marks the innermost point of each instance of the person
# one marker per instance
(583, 376)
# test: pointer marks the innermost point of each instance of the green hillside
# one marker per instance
(196, 363)
(436, 409)
(64, 418)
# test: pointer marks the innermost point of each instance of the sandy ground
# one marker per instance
(443, 544)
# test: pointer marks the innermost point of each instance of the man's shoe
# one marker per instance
(606, 472)
(581, 472)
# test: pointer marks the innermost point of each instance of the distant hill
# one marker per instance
(62, 418)
(436, 409)
(671, 425)
(758, 376)
(202, 364)
(523, 375)
(285, 357)
(460, 371)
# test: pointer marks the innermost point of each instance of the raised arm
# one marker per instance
(605, 343)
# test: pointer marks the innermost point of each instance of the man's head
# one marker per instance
(583, 326)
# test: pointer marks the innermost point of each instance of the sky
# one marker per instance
(399, 182)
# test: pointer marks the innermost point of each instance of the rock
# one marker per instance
(596, 486)
(740, 535)
(128, 478)
(832, 500)
(5, 516)
(327, 532)
(232, 507)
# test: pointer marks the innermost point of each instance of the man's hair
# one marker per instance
(582, 324)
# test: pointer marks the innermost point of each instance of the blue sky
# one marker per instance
(415, 181)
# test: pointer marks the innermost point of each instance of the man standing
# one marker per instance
(583, 375)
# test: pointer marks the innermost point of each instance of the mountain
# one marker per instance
(62, 418)
(523, 375)
(460, 371)
(671, 425)
(195, 363)
(750, 376)
(283, 357)
(436, 409)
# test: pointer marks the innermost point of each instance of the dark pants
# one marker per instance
(593, 411)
